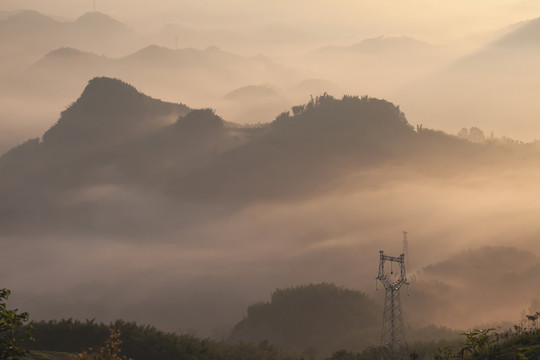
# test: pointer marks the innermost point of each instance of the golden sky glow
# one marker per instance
(431, 20)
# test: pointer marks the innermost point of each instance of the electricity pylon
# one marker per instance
(393, 345)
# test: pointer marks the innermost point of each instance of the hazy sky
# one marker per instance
(276, 240)
(431, 20)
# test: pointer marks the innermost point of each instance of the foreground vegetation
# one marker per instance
(13, 329)
(488, 344)
(73, 339)
(142, 342)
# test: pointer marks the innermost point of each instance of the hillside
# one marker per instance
(110, 112)
(113, 134)
(296, 155)
(77, 151)
(317, 316)
(253, 104)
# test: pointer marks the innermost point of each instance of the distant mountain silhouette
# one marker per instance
(70, 60)
(98, 21)
(382, 44)
(67, 52)
(85, 63)
(187, 74)
(374, 63)
(178, 36)
(251, 92)
(507, 54)
(253, 104)
(447, 291)
(30, 34)
(492, 88)
(192, 76)
(191, 65)
(211, 59)
(525, 35)
(21, 19)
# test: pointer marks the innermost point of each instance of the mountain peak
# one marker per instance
(153, 51)
(107, 91)
(100, 22)
(251, 91)
(24, 18)
(352, 116)
(108, 110)
(67, 52)
(95, 16)
(28, 15)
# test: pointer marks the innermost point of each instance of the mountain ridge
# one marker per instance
(113, 135)
(113, 103)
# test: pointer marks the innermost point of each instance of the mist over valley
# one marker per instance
(238, 185)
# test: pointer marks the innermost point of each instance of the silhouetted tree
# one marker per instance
(13, 330)
(476, 135)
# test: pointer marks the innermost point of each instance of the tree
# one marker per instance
(476, 135)
(109, 351)
(463, 134)
(13, 329)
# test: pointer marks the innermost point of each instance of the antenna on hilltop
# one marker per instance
(393, 345)
(406, 250)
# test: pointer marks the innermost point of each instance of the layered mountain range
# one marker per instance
(113, 135)
(436, 85)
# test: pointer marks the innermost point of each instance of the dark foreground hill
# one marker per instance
(321, 317)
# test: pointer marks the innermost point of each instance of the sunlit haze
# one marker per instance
(174, 162)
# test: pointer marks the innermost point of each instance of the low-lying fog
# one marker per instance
(201, 278)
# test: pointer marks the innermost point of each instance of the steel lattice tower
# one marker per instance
(393, 345)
